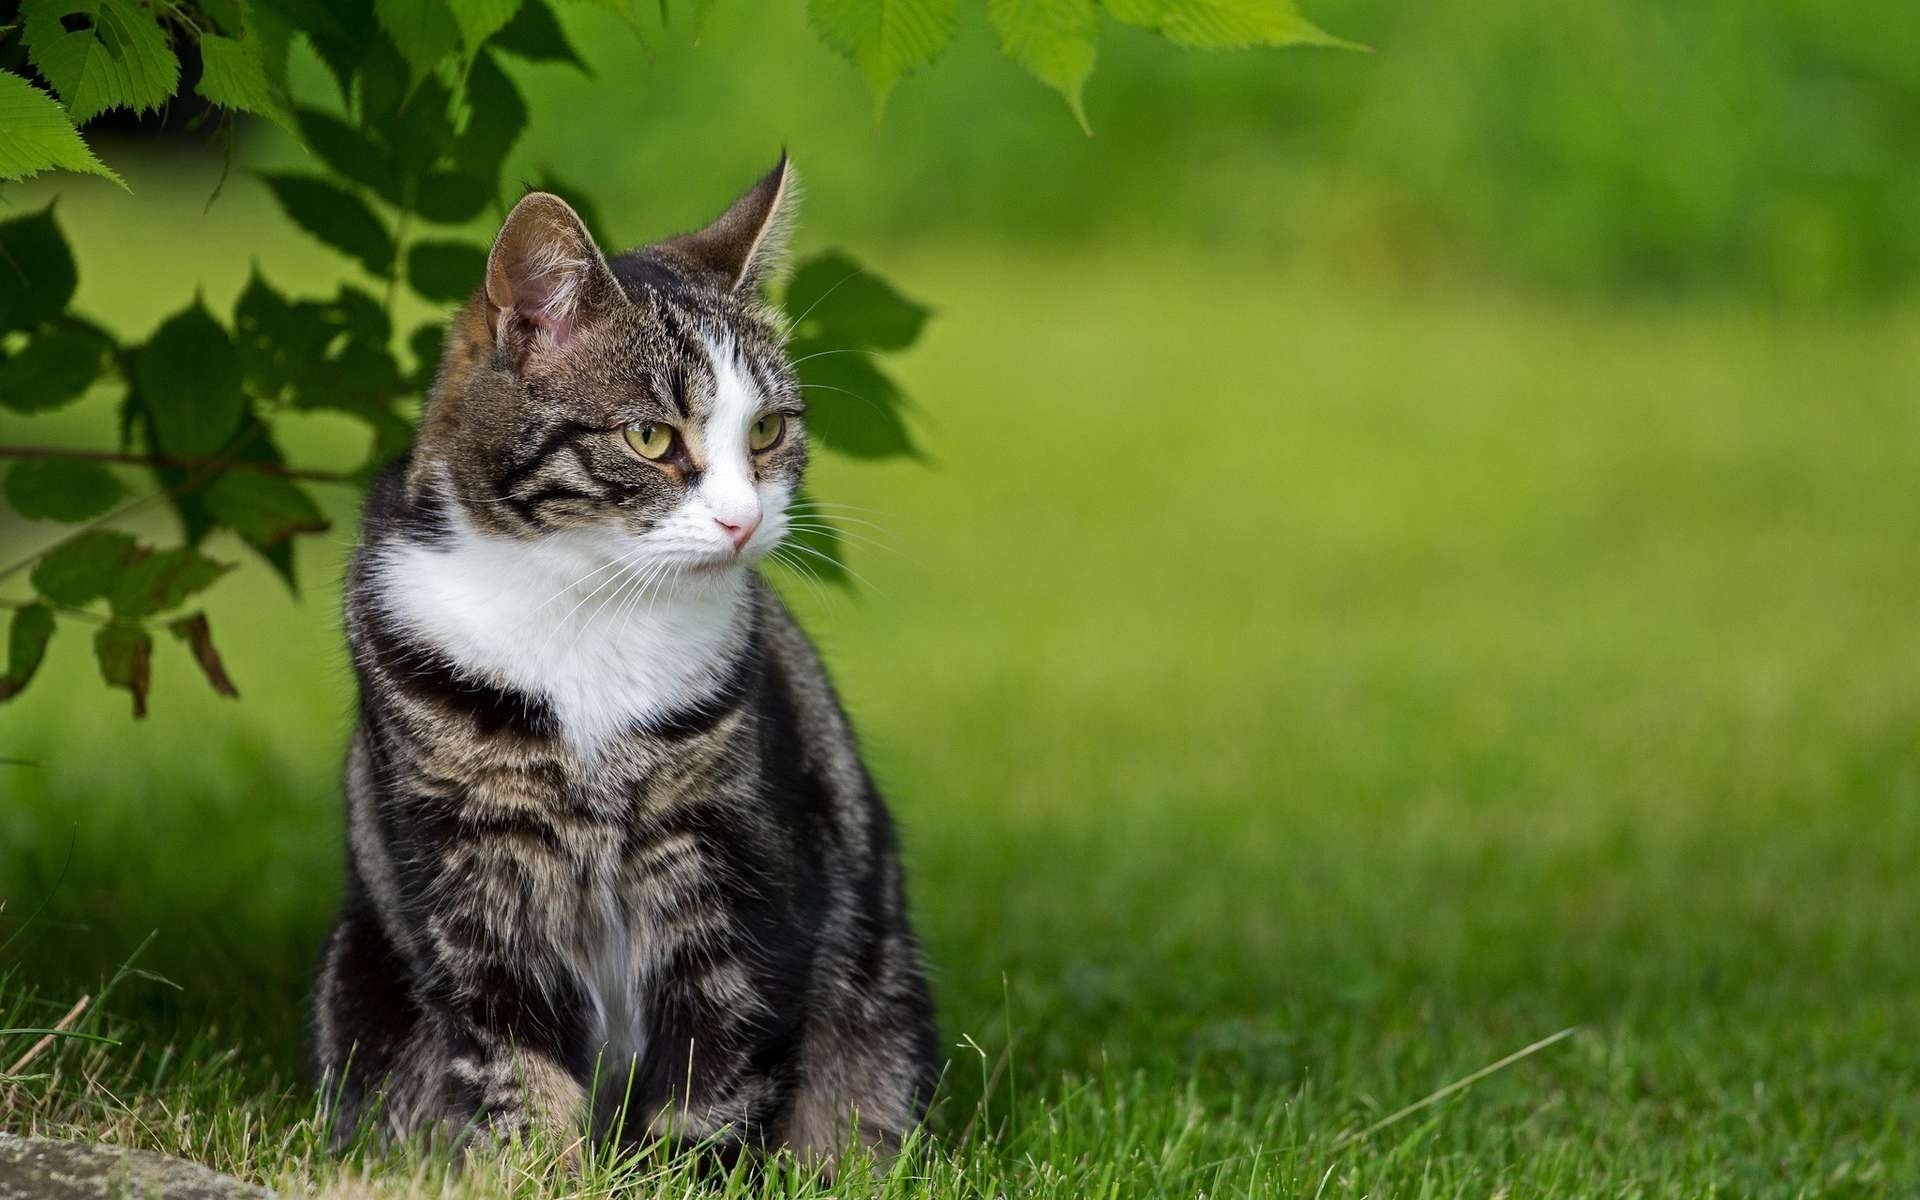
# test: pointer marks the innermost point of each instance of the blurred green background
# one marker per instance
(1419, 554)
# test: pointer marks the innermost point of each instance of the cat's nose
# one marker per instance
(738, 531)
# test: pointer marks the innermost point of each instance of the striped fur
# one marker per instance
(614, 863)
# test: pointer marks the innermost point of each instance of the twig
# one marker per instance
(1464, 1081)
(188, 464)
(59, 1027)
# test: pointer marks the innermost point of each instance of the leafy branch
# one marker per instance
(408, 149)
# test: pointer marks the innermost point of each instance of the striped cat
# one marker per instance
(614, 860)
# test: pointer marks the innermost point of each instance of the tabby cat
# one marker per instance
(614, 861)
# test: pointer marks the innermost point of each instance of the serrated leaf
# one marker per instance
(36, 271)
(426, 343)
(496, 115)
(274, 338)
(535, 35)
(481, 19)
(885, 39)
(451, 198)
(125, 654)
(56, 367)
(116, 57)
(233, 76)
(852, 406)
(1053, 40)
(37, 135)
(266, 510)
(336, 217)
(27, 636)
(445, 272)
(190, 382)
(350, 153)
(62, 489)
(154, 581)
(1225, 24)
(833, 298)
(83, 568)
(422, 30)
(198, 636)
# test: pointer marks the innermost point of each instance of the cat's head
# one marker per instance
(641, 407)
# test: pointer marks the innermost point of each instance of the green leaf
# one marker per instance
(233, 76)
(274, 338)
(350, 153)
(834, 298)
(1225, 24)
(337, 217)
(57, 366)
(116, 56)
(26, 646)
(154, 581)
(496, 115)
(190, 379)
(535, 35)
(421, 131)
(62, 489)
(422, 30)
(198, 636)
(37, 135)
(852, 406)
(266, 510)
(83, 568)
(446, 272)
(885, 39)
(481, 19)
(812, 548)
(451, 198)
(36, 271)
(125, 654)
(426, 343)
(1053, 40)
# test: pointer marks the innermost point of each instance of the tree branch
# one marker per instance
(189, 464)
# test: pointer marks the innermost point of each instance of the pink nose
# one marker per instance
(739, 532)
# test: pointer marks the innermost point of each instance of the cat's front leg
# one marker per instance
(512, 1025)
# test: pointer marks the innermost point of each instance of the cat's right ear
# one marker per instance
(545, 276)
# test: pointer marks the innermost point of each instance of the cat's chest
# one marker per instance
(603, 649)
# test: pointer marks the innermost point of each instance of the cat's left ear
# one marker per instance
(748, 243)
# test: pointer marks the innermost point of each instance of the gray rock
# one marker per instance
(42, 1169)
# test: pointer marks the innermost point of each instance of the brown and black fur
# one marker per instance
(737, 853)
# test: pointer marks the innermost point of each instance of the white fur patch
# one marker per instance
(603, 626)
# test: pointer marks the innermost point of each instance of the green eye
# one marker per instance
(650, 441)
(766, 431)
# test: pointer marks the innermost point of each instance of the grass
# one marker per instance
(1297, 701)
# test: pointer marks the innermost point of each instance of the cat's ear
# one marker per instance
(748, 243)
(545, 274)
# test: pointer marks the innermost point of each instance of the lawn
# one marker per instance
(1296, 699)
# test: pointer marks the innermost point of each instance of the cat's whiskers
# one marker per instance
(828, 387)
(794, 323)
(823, 353)
(839, 534)
(828, 558)
(624, 562)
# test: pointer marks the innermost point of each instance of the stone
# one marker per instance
(44, 1169)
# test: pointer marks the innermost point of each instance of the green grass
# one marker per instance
(1295, 700)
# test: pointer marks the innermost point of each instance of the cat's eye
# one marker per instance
(650, 441)
(766, 431)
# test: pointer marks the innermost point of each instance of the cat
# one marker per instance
(615, 865)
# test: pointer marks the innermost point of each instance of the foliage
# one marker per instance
(408, 151)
